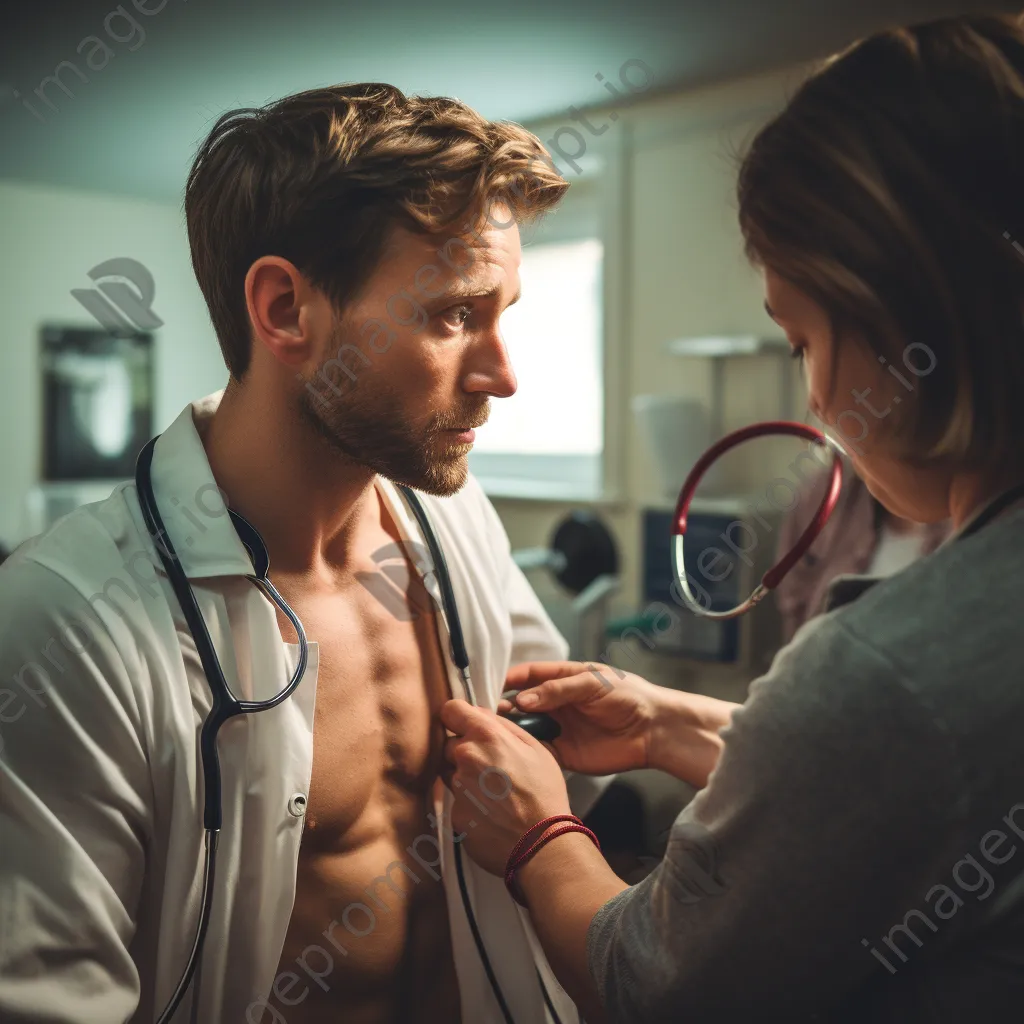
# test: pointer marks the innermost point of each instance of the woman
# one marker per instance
(856, 851)
(862, 537)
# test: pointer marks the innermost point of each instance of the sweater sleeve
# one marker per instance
(837, 797)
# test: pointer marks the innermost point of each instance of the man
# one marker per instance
(356, 249)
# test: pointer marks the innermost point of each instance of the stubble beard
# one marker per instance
(367, 423)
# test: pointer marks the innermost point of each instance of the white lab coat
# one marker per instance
(101, 701)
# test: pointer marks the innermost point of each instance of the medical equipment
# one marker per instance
(677, 430)
(730, 545)
(776, 574)
(581, 550)
(226, 705)
(583, 558)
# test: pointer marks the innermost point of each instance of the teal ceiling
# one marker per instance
(148, 86)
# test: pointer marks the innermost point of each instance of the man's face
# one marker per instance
(408, 371)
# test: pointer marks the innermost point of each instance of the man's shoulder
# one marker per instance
(75, 557)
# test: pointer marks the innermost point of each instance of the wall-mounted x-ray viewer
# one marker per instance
(97, 405)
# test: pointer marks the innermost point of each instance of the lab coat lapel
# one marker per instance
(266, 760)
(512, 947)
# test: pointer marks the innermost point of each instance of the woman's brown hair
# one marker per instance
(321, 178)
(890, 190)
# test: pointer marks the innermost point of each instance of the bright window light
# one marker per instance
(553, 335)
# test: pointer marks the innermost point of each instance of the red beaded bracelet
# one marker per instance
(515, 863)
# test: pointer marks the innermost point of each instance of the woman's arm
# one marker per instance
(684, 737)
(564, 884)
(568, 880)
(832, 808)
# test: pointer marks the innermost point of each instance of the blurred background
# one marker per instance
(641, 334)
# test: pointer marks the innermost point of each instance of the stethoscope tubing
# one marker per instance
(460, 657)
(775, 575)
(224, 704)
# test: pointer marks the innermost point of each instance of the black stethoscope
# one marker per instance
(226, 705)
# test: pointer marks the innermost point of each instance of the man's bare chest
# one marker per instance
(377, 748)
(377, 739)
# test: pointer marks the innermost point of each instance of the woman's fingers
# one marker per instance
(557, 693)
(530, 673)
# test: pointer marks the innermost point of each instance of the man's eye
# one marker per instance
(457, 315)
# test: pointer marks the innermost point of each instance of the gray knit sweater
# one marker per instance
(858, 853)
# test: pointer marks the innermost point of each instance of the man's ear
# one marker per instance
(280, 303)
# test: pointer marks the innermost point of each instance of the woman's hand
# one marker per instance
(606, 716)
(614, 721)
(503, 780)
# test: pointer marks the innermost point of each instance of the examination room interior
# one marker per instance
(640, 338)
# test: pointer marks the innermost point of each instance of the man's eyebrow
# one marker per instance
(462, 290)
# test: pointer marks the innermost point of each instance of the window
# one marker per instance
(547, 440)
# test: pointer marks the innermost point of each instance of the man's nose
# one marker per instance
(491, 370)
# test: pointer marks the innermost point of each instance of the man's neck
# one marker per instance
(308, 502)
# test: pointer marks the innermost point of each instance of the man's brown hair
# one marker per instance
(322, 177)
(885, 190)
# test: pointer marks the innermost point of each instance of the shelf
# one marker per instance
(719, 348)
(733, 345)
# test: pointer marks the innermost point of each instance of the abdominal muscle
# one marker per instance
(361, 949)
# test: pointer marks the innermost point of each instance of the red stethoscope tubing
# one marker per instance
(774, 576)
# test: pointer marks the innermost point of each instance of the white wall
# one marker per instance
(50, 239)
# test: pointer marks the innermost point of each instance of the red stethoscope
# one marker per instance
(774, 576)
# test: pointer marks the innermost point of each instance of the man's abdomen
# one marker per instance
(368, 941)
